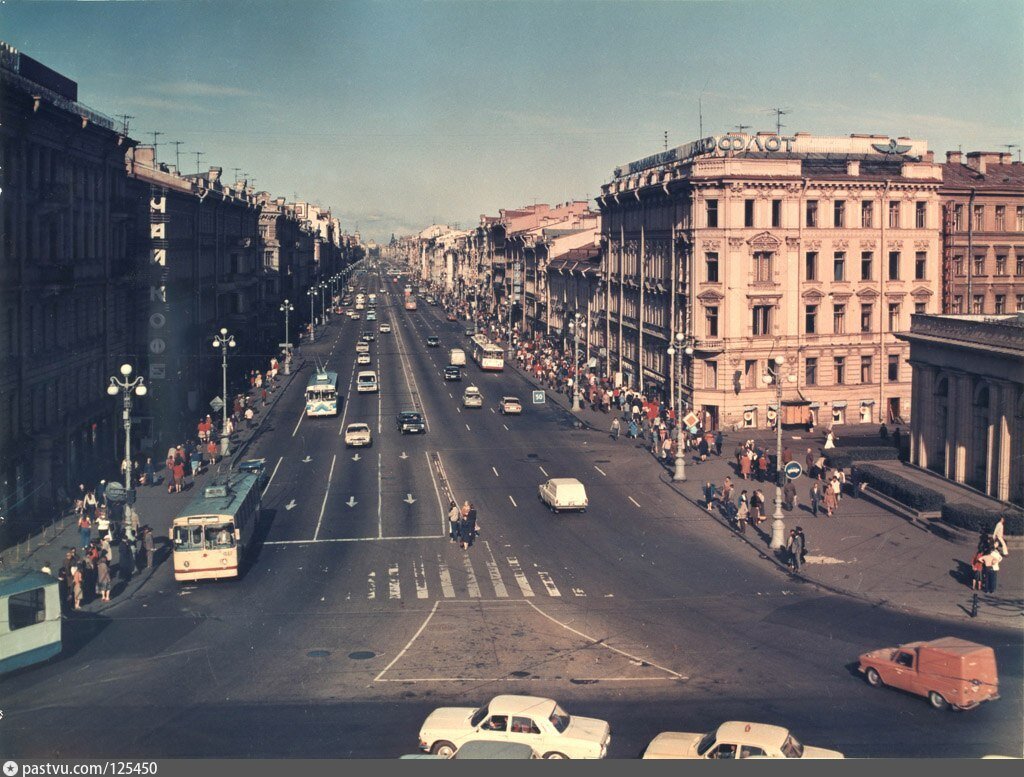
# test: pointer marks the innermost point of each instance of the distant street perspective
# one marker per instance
(721, 457)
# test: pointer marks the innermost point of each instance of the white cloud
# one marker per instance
(200, 89)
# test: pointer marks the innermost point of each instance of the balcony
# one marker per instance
(709, 346)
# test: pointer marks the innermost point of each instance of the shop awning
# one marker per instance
(815, 405)
(864, 402)
(749, 408)
(797, 403)
(773, 407)
(841, 404)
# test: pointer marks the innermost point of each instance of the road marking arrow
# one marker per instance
(351, 501)
(404, 455)
(357, 457)
(307, 459)
(290, 505)
(408, 499)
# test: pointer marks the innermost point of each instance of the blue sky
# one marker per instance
(398, 115)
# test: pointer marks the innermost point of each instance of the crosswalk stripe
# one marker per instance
(545, 578)
(446, 579)
(517, 573)
(394, 585)
(420, 573)
(499, 585)
(371, 585)
(471, 584)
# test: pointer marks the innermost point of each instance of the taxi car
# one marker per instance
(433, 341)
(358, 435)
(362, 347)
(735, 739)
(409, 421)
(533, 720)
(472, 397)
(510, 406)
(452, 372)
(384, 328)
(363, 358)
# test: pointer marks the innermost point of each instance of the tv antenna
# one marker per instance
(155, 136)
(666, 140)
(779, 113)
(198, 154)
(177, 153)
(124, 117)
(1009, 148)
(741, 128)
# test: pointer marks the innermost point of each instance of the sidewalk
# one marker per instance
(864, 550)
(155, 507)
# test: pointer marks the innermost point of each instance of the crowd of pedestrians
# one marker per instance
(463, 524)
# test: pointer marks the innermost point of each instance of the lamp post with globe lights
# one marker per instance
(127, 387)
(778, 539)
(323, 305)
(311, 293)
(679, 474)
(574, 327)
(286, 308)
(224, 340)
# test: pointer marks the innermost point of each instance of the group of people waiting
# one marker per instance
(463, 524)
(985, 562)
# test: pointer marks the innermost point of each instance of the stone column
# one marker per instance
(963, 412)
(1001, 473)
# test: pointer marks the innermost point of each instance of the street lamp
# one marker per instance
(778, 540)
(127, 386)
(323, 309)
(574, 327)
(311, 293)
(286, 308)
(224, 340)
(679, 474)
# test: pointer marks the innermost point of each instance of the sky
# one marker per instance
(398, 115)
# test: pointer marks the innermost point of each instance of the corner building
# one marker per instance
(815, 249)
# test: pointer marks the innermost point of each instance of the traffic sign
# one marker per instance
(284, 345)
(216, 403)
(794, 470)
(690, 419)
(115, 492)
(539, 397)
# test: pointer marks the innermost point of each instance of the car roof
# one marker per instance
(366, 374)
(565, 482)
(741, 731)
(471, 388)
(510, 399)
(408, 412)
(358, 426)
(508, 704)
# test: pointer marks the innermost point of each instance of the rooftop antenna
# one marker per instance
(666, 140)
(155, 136)
(1009, 149)
(741, 128)
(177, 153)
(236, 171)
(198, 154)
(700, 116)
(124, 117)
(779, 113)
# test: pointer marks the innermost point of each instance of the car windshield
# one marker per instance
(559, 719)
(478, 716)
(410, 416)
(792, 748)
(359, 428)
(706, 743)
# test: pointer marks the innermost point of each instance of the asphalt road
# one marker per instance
(356, 616)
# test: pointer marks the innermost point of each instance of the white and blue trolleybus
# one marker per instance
(322, 394)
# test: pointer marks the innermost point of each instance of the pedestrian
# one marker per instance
(796, 550)
(718, 442)
(755, 508)
(634, 431)
(148, 545)
(788, 495)
(991, 561)
(978, 565)
(103, 577)
(883, 432)
(998, 538)
(816, 497)
(787, 456)
(666, 448)
(745, 466)
(837, 486)
(179, 475)
(469, 528)
(454, 519)
(829, 501)
(896, 437)
(150, 472)
(615, 428)
(727, 489)
(742, 511)
(84, 531)
(249, 415)
(709, 494)
(762, 467)
(809, 461)
(90, 504)
(76, 586)
(830, 441)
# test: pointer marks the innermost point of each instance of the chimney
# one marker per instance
(929, 156)
(853, 167)
(145, 156)
(215, 174)
(979, 160)
(953, 158)
(1005, 158)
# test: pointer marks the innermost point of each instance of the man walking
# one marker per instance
(147, 545)
(454, 519)
(616, 425)
(795, 549)
(788, 495)
(815, 497)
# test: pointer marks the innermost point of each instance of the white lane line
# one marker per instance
(545, 578)
(409, 373)
(394, 584)
(513, 501)
(467, 428)
(327, 491)
(492, 409)
(471, 585)
(301, 416)
(449, 393)
(437, 491)
(631, 499)
(420, 574)
(458, 409)
(600, 470)
(271, 477)
(492, 569)
(518, 574)
(506, 428)
(605, 644)
(380, 413)
(371, 585)
(409, 643)
(543, 470)
(348, 397)
(446, 579)
(380, 502)
(495, 472)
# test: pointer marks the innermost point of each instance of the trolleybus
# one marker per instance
(322, 394)
(487, 355)
(30, 633)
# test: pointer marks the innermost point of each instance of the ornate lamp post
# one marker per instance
(286, 308)
(224, 340)
(778, 540)
(574, 327)
(679, 474)
(311, 293)
(127, 387)
(323, 308)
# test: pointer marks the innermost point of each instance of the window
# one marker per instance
(867, 214)
(979, 264)
(840, 368)
(750, 373)
(905, 659)
(839, 319)
(894, 316)
(811, 262)
(920, 265)
(1000, 218)
(711, 317)
(866, 260)
(1000, 264)
(524, 726)
(1020, 264)
(1020, 218)
(979, 217)
(894, 265)
(776, 213)
(763, 266)
(748, 213)
(26, 609)
(977, 303)
(866, 314)
(812, 213)
(762, 320)
(839, 266)
(749, 751)
(496, 723)
(1020, 303)
(865, 369)
(712, 211)
(811, 371)
(1000, 304)
(811, 319)
(839, 213)
(710, 375)
(958, 218)
(920, 215)
(958, 264)
(711, 264)
(920, 307)
(893, 367)
(958, 304)
(894, 215)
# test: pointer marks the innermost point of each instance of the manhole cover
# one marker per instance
(361, 655)
(532, 456)
(318, 653)
(520, 673)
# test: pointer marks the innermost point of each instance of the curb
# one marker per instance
(547, 392)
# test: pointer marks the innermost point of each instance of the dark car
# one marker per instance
(452, 372)
(433, 341)
(409, 421)
(369, 337)
(470, 331)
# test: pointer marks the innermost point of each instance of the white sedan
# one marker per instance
(385, 328)
(735, 739)
(363, 358)
(358, 435)
(532, 720)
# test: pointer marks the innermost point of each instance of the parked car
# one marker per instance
(363, 358)
(409, 421)
(433, 341)
(358, 435)
(510, 406)
(472, 397)
(451, 372)
(563, 494)
(385, 328)
(948, 671)
(538, 722)
(735, 739)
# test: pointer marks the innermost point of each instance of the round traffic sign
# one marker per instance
(115, 492)
(794, 470)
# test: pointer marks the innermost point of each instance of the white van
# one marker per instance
(366, 381)
(457, 357)
(563, 494)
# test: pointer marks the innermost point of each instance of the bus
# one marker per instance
(322, 394)
(410, 302)
(487, 355)
(30, 632)
(210, 536)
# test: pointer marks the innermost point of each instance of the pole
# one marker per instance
(778, 540)
(576, 363)
(312, 317)
(224, 442)
(287, 350)
(679, 474)
(128, 437)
